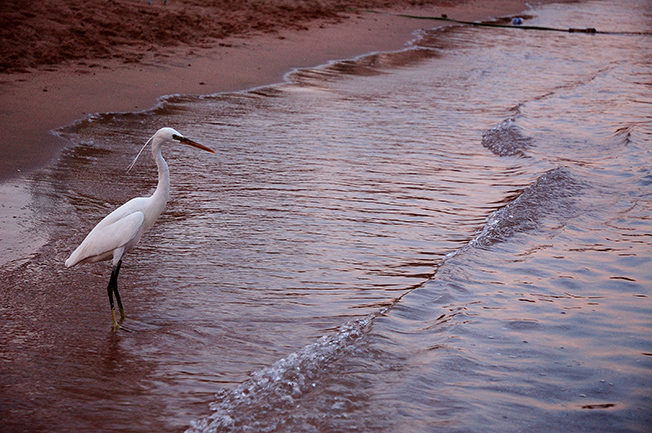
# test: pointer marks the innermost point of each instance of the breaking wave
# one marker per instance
(505, 139)
(262, 403)
(552, 193)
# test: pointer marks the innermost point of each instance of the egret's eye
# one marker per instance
(177, 137)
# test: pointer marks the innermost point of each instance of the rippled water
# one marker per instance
(455, 237)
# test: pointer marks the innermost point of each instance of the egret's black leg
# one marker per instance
(110, 291)
(116, 270)
(113, 287)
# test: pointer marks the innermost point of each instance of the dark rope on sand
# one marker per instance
(589, 30)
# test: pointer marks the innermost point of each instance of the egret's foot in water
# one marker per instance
(115, 322)
(118, 325)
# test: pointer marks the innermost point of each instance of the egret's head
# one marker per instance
(166, 134)
(172, 135)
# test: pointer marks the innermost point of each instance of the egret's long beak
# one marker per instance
(189, 142)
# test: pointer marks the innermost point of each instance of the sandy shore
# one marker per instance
(38, 99)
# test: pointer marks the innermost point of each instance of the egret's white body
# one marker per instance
(121, 230)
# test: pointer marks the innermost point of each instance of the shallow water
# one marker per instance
(455, 237)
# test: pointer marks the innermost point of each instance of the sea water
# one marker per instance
(456, 237)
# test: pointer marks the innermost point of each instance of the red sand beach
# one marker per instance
(64, 59)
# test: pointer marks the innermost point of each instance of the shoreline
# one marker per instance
(35, 103)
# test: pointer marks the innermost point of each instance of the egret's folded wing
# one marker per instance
(106, 237)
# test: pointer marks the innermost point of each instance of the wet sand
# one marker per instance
(133, 74)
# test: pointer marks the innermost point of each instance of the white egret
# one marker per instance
(121, 230)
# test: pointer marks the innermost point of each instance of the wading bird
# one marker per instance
(121, 230)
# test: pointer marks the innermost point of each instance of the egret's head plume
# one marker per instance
(141, 151)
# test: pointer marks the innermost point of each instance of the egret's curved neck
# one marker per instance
(163, 188)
